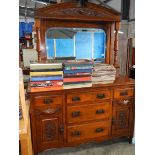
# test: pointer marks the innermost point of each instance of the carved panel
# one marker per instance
(122, 118)
(77, 12)
(50, 129)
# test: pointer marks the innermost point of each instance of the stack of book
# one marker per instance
(77, 74)
(103, 73)
(46, 75)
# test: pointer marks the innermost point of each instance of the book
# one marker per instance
(78, 71)
(77, 79)
(46, 73)
(46, 83)
(45, 66)
(46, 78)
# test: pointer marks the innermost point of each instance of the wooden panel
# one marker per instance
(88, 112)
(123, 92)
(122, 117)
(48, 131)
(86, 131)
(88, 96)
(47, 100)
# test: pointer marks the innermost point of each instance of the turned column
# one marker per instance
(38, 43)
(116, 64)
(37, 28)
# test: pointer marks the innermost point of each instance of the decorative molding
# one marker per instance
(77, 12)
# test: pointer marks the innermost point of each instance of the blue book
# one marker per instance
(78, 71)
(46, 78)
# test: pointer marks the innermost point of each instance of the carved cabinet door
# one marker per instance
(49, 130)
(122, 119)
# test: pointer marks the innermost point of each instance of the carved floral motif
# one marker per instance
(122, 120)
(50, 130)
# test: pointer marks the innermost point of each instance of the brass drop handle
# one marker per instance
(125, 102)
(99, 130)
(100, 96)
(124, 93)
(76, 98)
(100, 111)
(76, 133)
(48, 101)
(75, 113)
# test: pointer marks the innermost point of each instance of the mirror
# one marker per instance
(81, 43)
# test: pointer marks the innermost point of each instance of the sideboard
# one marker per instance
(69, 117)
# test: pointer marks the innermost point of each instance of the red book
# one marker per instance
(78, 79)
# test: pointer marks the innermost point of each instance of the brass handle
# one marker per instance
(75, 113)
(76, 98)
(48, 101)
(51, 111)
(125, 102)
(124, 93)
(100, 111)
(76, 133)
(99, 130)
(100, 96)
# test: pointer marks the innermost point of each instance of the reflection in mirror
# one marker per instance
(81, 43)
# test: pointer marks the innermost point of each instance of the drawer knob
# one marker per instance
(76, 133)
(100, 111)
(100, 96)
(48, 101)
(76, 98)
(99, 130)
(75, 113)
(124, 93)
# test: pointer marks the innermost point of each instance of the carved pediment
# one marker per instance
(70, 10)
(77, 12)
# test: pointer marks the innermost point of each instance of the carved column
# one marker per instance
(37, 28)
(38, 42)
(116, 64)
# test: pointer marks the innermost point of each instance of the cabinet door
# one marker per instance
(49, 130)
(122, 119)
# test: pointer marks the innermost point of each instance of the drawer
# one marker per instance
(88, 96)
(86, 131)
(88, 112)
(47, 100)
(123, 92)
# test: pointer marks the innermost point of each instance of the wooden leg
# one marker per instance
(24, 146)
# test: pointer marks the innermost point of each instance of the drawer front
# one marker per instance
(123, 92)
(88, 96)
(47, 100)
(86, 131)
(88, 112)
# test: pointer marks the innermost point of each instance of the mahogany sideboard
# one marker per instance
(69, 117)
